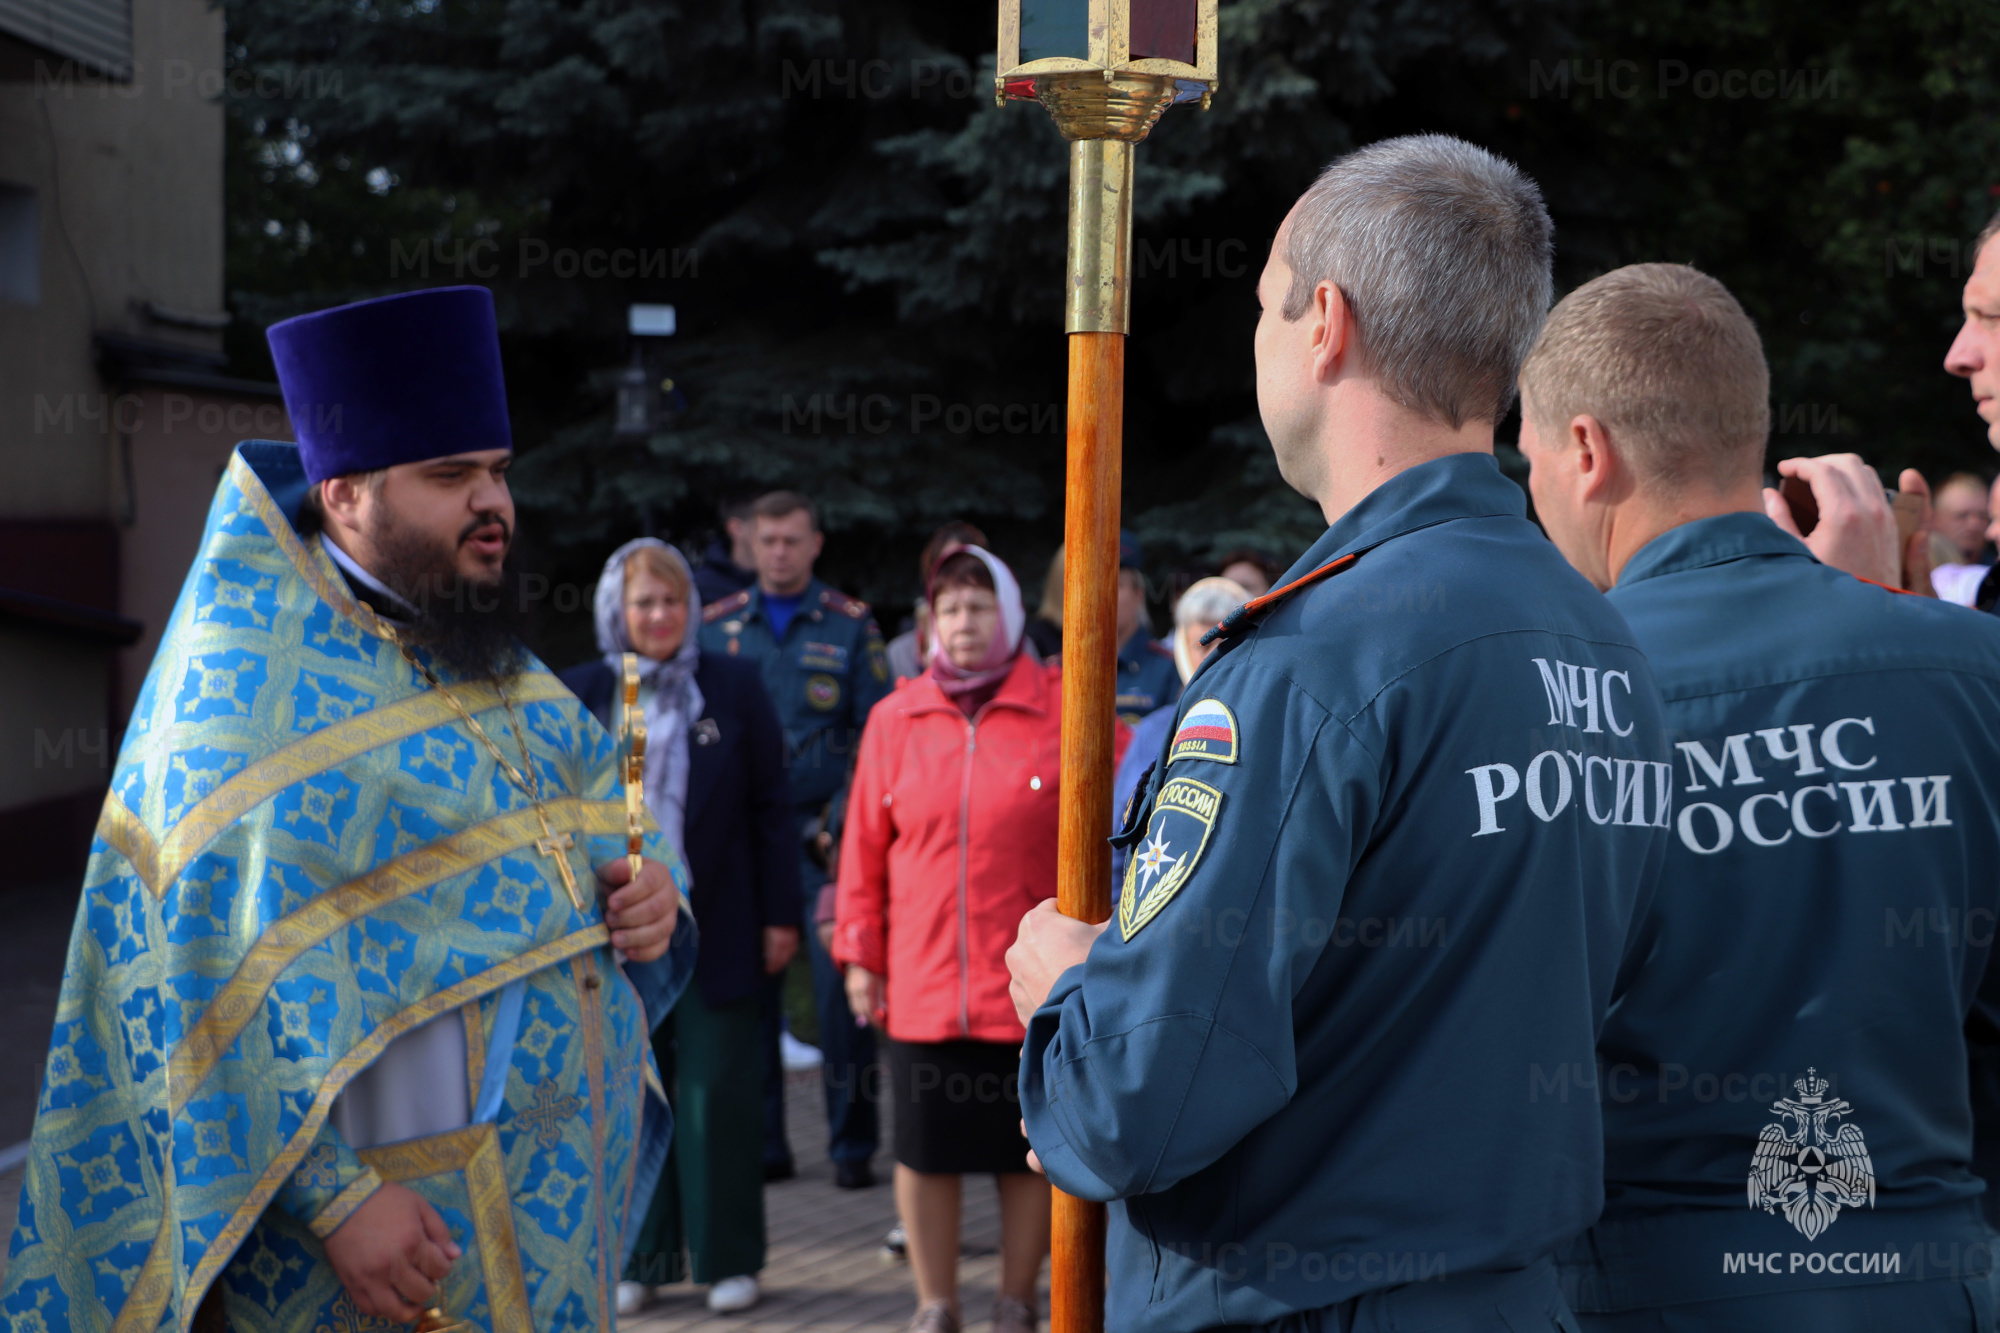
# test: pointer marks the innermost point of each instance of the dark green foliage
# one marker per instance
(1838, 214)
(845, 220)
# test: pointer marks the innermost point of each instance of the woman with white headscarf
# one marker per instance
(715, 781)
(950, 839)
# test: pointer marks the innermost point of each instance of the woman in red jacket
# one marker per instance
(951, 837)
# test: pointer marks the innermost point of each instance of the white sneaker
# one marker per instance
(633, 1297)
(733, 1294)
(795, 1055)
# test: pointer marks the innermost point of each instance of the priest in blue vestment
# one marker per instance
(356, 1011)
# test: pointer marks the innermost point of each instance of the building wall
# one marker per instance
(127, 183)
(53, 736)
(124, 179)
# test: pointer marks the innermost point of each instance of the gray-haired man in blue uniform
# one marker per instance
(1788, 1132)
(1385, 865)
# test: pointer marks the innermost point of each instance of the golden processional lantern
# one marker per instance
(1105, 70)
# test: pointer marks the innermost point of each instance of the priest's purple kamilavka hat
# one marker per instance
(394, 380)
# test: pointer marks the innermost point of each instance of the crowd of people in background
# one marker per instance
(895, 845)
(1962, 537)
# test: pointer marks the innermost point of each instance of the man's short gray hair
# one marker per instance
(1986, 233)
(1442, 252)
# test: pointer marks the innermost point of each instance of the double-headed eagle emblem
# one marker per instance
(1809, 1165)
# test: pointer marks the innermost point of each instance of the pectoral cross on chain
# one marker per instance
(529, 784)
(557, 845)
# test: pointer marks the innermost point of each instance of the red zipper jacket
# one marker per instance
(950, 839)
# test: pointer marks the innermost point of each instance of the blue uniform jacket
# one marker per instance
(1148, 680)
(1383, 877)
(825, 675)
(1820, 932)
(740, 833)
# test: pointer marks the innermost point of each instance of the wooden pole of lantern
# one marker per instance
(1105, 71)
(1100, 242)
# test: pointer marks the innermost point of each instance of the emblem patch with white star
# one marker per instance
(1177, 831)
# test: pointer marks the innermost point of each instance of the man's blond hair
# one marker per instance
(1664, 357)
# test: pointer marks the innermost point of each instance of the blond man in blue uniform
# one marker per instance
(1783, 1077)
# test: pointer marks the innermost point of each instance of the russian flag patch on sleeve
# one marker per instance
(1207, 731)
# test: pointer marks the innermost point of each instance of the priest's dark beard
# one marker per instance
(473, 628)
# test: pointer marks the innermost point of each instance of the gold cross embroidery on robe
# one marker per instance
(545, 1117)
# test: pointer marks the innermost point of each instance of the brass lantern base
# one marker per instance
(1092, 104)
(1100, 237)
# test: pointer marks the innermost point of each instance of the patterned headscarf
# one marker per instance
(674, 701)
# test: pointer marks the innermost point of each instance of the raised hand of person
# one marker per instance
(1916, 491)
(1856, 531)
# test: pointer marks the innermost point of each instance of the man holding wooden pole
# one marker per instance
(1332, 1061)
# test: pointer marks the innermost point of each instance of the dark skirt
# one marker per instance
(956, 1106)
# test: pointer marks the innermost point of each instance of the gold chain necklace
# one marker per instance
(551, 844)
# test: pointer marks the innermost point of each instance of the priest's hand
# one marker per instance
(391, 1254)
(642, 915)
(1047, 945)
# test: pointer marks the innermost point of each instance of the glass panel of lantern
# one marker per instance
(1057, 28)
(1161, 29)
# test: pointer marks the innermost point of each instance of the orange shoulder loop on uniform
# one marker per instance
(1888, 587)
(736, 601)
(1248, 613)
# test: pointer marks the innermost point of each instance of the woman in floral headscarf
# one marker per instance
(715, 781)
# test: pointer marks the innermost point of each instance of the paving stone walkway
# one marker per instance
(825, 1269)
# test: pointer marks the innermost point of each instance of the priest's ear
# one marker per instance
(342, 500)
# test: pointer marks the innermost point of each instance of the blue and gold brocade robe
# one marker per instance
(305, 854)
